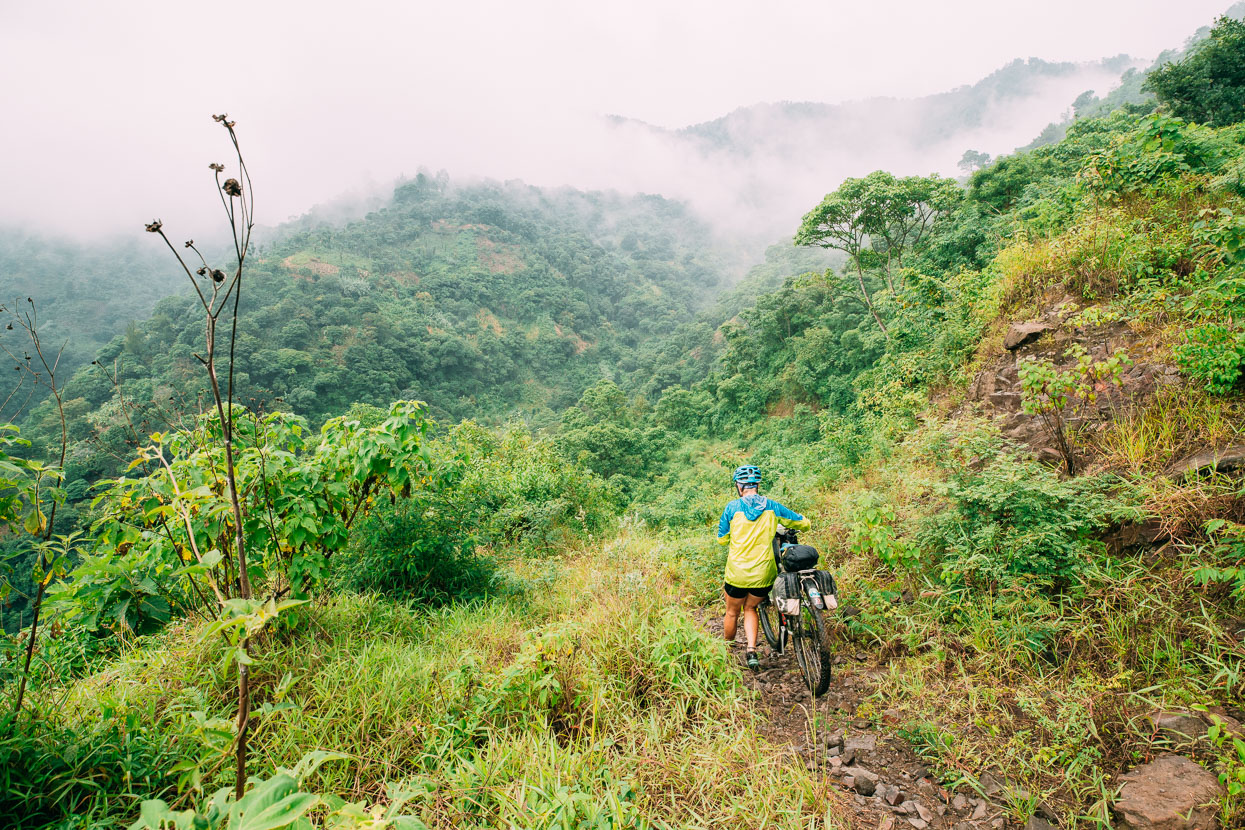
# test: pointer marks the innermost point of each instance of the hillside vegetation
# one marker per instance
(1013, 412)
(487, 301)
(86, 294)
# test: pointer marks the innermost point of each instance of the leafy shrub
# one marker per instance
(1213, 355)
(63, 652)
(1226, 565)
(163, 541)
(1158, 151)
(682, 500)
(1047, 391)
(1000, 185)
(848, 440)
(1214, 349)
(498, 488)
(872, 532)
(684, 411)
(281, 801)
(1232, 775)
(1012, 519)
(518, 490)
(608, 436)
(420, 548)
(693, 489)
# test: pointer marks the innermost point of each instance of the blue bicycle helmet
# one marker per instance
(748, 474)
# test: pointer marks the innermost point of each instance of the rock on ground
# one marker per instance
(860, 779)
(1169, 793)
(1180, 728)
(1225, 460)
(1021, 333)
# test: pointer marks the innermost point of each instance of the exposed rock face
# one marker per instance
(1169, 793)
(1231, 459)
(1134, 535)
(1021, 334)
(996, 391)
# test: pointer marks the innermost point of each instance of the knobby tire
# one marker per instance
(810, 649)
(767, 613)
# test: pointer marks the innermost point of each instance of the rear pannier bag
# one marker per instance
(799, 558)
(786, 593)
(825, 583)
(829, 591)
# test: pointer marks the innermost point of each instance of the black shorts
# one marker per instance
(740, 593)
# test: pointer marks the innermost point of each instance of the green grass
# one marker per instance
(1175, 424)
(1050, 687)
(598, 702)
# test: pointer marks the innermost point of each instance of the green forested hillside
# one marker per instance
(1130, 93)
(486, 301)
(1013, 410)
(480, 299)
(85, 294)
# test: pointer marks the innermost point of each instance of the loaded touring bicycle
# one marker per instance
(795, 612)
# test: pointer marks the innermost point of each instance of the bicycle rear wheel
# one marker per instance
(810, 649)
(768, 614)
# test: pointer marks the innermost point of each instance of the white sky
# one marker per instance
(106, 106)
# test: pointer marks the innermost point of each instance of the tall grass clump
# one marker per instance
(1174, 424)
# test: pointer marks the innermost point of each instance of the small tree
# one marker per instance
(875, 221)
(1052, 393)
(1208, 86)
(843, 222)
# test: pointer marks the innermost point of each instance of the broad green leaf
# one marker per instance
(271, 804)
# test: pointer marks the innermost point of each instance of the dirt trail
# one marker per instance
(887, 785)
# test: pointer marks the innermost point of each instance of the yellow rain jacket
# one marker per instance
(748, 525)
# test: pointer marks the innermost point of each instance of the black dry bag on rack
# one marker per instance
(799, 558)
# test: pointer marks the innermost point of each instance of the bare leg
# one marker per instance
(750, 620)
(731, 619)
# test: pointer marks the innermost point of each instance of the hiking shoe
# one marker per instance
(753, 662)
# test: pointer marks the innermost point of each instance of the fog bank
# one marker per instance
(108, 107)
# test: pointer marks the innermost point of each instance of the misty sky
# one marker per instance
(106, 105)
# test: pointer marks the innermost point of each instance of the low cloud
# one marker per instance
(108, 107)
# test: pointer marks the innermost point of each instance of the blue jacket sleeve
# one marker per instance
(789, 517)
(724, 526)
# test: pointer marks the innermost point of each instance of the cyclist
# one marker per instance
(748, 525)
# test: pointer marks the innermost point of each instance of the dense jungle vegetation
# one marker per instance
(482, 610)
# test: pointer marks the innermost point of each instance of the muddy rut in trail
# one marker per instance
(886, 784)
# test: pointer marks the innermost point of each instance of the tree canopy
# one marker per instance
(875, 220)
(1208, 85)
